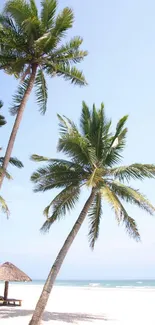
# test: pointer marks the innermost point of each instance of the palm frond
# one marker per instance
(78, 148)
(85, 121)
(120, 134)
(25, 16)
(71, 74)
(81, 148)
(17, 99)
(48, 13)
(62, 203)
(31, 27)
(13, 42)
(63, 22)
(13, 161)
(112, 158)
(40, 42)
(16, 162)
(95, 178)
(39, 158)
(116, 144)
(7, 175)
(129, 222)
(6, 22)
(57, 174)
(74, 144)
(11, 63)
(132, 196)
(112, 200)
(99, 131)
(41, 91)
(69, 47)
(131, 226)
(75, 56)
(71, 142)
(18, 10)
(134, 171)
(55, 162)
(120, 212)
(96, 128)
(94, 215)
(1, 104)
(4, 206)
(91, 180)
(2, 118)
(120, 125)
(64, 126)
(34, 9)
(69, 53)
(113, 155)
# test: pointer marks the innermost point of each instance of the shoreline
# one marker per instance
(89, 287)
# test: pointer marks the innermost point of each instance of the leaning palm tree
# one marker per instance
(31, 45)
(13, 161)
(94, 154)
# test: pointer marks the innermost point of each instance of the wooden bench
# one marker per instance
(14, 302)
(11, 302)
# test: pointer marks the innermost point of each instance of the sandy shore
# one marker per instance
(83, 306)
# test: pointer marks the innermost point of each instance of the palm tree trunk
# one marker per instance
(40, 307)
(17, 122)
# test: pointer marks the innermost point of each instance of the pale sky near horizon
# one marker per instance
(120, 70)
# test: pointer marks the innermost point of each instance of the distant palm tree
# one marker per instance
(13, 161)
(31, 45)
(93, 154)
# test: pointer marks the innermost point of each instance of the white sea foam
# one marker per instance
(94, 284)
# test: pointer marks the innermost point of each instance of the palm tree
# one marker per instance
(13, 161)
(31, 45)
(94, 153)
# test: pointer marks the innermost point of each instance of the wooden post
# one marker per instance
(6, 290)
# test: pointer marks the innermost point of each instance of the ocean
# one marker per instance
(99, 283)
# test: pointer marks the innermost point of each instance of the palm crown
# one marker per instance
(94, 153)
(29, 40)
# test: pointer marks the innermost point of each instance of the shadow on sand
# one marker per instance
(65, 317)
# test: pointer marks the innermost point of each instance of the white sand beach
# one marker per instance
(82, 306)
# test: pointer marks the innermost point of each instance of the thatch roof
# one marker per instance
(9, 272)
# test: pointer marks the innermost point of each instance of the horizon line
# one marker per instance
(107, 279)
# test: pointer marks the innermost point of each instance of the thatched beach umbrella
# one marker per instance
(11, 273)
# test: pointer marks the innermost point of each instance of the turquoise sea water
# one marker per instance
(100, 283)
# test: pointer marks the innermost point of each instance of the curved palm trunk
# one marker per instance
(40, 307)
(17, 122)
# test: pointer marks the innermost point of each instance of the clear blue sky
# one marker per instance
(120, 70)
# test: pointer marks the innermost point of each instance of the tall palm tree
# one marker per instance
(31, 45)
(94, 153)
(13, 161)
